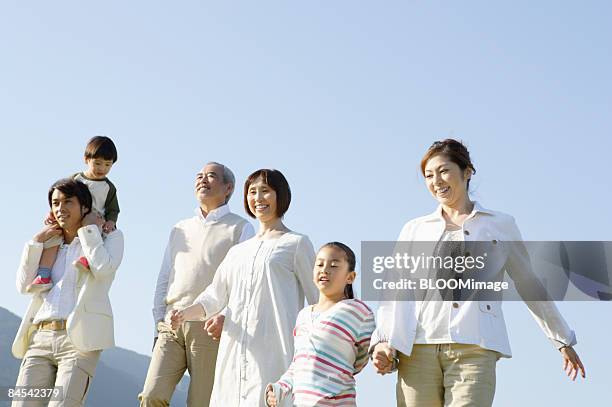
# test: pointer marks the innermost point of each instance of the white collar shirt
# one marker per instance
(471, 322)
(60, 300)
(213, 215)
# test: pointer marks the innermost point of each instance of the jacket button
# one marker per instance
(467, 232)
(455, 305)
(488, 307)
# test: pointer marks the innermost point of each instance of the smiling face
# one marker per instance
(446, 181)
(209, 187)
(98, 168)
(262, 200)
(331, 271)
(67, 210)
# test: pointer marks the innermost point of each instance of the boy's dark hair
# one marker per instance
(275, 180)
(101, 147)
(350, 259)
(71, 187)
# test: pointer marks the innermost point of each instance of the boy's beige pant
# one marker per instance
(189, 348)
(52, 360)
(451, 374)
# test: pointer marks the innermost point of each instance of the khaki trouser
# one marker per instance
(449, 374)
(189, 348)
(52, 360)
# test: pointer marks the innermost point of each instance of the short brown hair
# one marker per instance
(275, 180)
(454, 150)
(101, 147)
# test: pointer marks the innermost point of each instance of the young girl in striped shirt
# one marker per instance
(331, 338)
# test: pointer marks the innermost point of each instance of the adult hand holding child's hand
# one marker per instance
(383, 358)
(270, 397)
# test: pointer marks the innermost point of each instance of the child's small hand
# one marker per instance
(383, 358)
(108, 226)
(270, 397)
(93, 218)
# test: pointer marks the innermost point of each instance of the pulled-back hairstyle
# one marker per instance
(275, 180)
(454, 150)
(350, 259)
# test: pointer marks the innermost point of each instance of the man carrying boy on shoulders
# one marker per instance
(66, 328)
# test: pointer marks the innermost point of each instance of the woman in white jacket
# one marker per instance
(446, 351)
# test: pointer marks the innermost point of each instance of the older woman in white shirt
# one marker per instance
(262, 282)
(446, 351)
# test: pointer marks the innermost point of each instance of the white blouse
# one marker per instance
(263, 284)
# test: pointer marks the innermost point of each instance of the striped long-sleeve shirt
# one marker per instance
(330, 348)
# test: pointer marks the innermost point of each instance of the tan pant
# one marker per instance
(189, 348)
(52, 360)
(454, 375)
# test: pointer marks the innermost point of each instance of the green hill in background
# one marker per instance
(119, 376)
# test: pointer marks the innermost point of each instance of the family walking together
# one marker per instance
(229, 300)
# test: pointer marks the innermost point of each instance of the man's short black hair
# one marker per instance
(71, 187)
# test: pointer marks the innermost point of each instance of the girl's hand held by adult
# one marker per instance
(383, 358)
(270, 397)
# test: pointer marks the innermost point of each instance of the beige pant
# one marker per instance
(189, 348)
(52, 360)
(454, 375)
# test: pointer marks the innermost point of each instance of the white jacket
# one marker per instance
(472, 322)
(90, 324)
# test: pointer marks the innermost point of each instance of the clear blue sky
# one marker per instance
(343, 97)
